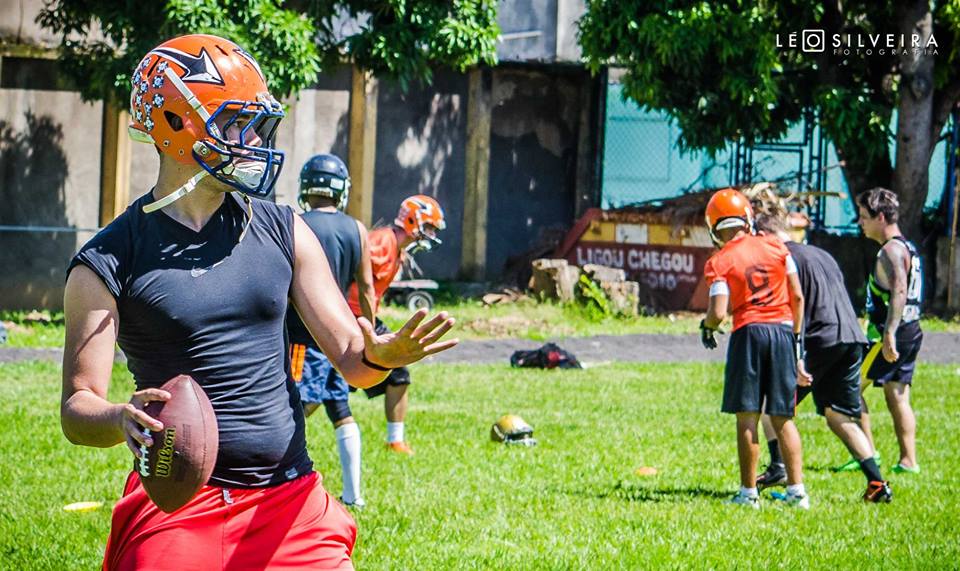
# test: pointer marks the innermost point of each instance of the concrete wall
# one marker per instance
(317, 121)
(533, 158)
(421, 141)
(49, 176)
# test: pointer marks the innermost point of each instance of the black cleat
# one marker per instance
(878, 492)
(774, 475)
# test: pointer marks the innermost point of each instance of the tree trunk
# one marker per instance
(914, 120)
(861, 175)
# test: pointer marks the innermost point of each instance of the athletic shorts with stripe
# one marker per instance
(836, 378)
(316, 377)
(761, 372)
(879, 370)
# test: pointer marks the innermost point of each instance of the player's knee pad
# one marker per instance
(337, 410)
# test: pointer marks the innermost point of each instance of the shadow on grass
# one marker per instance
(635, 493)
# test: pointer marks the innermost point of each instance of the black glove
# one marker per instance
(707, 335)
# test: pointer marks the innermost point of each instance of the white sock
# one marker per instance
(348, 445)
(796, 490)
(749, 492)
(394, 432)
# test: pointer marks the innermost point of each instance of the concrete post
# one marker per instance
(115, 163)
(363, 144)
(473, 263)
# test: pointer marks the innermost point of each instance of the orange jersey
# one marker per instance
(754, 269)
(385, 259)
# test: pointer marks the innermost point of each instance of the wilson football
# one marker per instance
(183, 454)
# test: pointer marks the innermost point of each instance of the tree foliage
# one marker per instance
(717, 69)
(102, 40)
(403, 39)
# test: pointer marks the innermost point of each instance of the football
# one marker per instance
(183, 454)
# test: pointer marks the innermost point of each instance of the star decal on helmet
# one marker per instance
(157, 81)
(148, 124)
(147, 108)
(198, 68)
(246, 55)
(157, 100)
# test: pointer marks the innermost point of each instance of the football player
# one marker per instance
(833, 355)
(754, 278)
(413, 230)
(194, 278)
(894, 299)
(324, 192)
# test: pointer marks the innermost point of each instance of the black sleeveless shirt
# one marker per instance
(211, 304)
(340, 238)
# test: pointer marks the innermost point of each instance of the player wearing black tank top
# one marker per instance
(195, 279)
(894, 295)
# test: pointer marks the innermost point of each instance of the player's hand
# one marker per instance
(133, 420)
(889, 348)
(412, 342)
(804, 379)
(707, 335)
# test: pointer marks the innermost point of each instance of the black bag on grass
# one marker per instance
(550, 356)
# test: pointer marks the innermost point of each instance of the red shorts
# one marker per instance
(296, 525)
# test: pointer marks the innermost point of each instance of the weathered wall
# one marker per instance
(421, 139)
(317, 121)
(49, 176)
(533, 159)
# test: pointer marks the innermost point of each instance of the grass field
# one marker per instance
(573, 502)
(527, 320)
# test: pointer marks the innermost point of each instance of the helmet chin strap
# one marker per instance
(177, 194)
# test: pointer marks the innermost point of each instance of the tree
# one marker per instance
(728, 70)
(102, 40)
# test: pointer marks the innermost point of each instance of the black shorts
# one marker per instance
(879, 370)
(836, 378)
(761, 373)
(400, 376)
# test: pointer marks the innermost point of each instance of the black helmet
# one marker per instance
(324, 175)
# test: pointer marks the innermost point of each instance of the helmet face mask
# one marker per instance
(249, 168)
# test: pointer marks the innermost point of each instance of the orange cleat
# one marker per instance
(400, 448)
(878, 492)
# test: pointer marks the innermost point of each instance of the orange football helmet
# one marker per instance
(728, 208)
(202, 99)
(415, 215)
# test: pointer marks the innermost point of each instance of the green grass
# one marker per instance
(525, 320)
(541, 321)
(573, 502)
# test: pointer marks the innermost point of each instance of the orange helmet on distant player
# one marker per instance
(203, 100)
(420, 216)
(728, 208)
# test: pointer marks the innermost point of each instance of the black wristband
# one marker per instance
(371, 364)
(799, 350)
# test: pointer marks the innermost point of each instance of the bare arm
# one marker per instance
(716, 310)
(364, 277)
(893, 262)
(86, 416)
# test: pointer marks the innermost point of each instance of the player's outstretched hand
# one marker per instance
(133, 420)
(414, 341)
